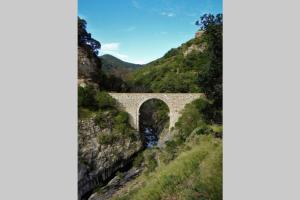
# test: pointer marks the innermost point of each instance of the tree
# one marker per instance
(85, 39)
(210, 78)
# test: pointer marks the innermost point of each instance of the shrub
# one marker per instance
(105, 118)
(121, 128)
(106, 138)
(150, 161)
(194, 174)
(84, 113)
(86, 98)
(121, 175)
(194, 115)
(204, 130)
(104, 100)
(138, 160)
(122, 117)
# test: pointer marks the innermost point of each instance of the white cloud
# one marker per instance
(119, 55)
(116, 54)
(114, 46)
(112, 49)
(168, 14)
(163, 32)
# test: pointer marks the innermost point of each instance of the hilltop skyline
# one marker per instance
(148, 29)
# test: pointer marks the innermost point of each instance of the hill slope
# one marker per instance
(117, 67)
(176, 71)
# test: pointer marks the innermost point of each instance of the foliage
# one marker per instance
(170, 151)
(106, 138)
(85, 39)
(114, 66)
(86, 98)
(150, 161)
(84, 113)
(111, 82)
(104, 118)
(174, 72)
(122, 117)
(195, 174)
(194, 115)
(104, 100)
(103, 108)
(210, 76)
(154, 113)
(138, 160)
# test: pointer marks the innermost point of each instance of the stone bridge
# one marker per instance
(131, 103)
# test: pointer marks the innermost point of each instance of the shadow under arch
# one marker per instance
(153, 118)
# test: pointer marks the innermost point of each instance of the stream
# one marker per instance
(151, 138)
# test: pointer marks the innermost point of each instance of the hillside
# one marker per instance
(115, 160)
(117, 67)
(176, 71)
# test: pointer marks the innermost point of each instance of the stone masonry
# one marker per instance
(131, 103)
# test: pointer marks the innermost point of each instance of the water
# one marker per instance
(150, 137)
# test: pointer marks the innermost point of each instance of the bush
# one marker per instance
(122, 117)
(138, 160)
(104, 100)
(86, 98)
(204, 130)
(106, 138)
(196, 114)
(121, 128)
(105, 118)
(84, 113)
(150, 161)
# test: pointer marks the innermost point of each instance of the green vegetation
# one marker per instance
(86, 98)
(114, 66)
(138, 160)
(195, 174)
(195, 66)
(100, 106)
(85, 39)
(211, 76)
(190, 165)
(174, 72)
(155, 114)
(150, 161)
(104, 100)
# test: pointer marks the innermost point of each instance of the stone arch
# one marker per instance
(144, 101)
(131, 102)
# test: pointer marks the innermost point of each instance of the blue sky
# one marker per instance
(141, 31)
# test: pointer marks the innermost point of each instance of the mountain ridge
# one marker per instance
(117, 67)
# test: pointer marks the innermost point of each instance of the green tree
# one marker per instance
(85, 39)
(210, 76)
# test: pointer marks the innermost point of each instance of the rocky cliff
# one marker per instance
(89, 67)
(99, 162)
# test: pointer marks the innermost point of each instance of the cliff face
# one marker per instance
(99, 162)
(89, 67)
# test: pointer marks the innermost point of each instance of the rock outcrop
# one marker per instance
(196, 47)
(98, 163)
(115, 184)
(89, 67)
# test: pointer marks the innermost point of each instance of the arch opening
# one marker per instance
(153, 120)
